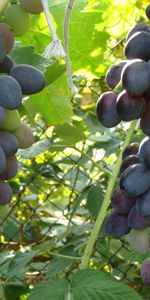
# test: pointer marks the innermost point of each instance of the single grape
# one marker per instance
(8, 143)
(144, 151)
(2, 47)
(30, 79)
(17, 18)
(12, 120)
(136, 28)
(144, 121)
(135, 77)
(130, 149)
(139, 240)
(8, 35)
(5, 193)
(10, 92)
(2, 161)
(121, 203)
(135, 180)
(11, 168)
(106, 110)
(33, 7)
(24, 136)
(147, 11)
(145, 271)
(116, 225)
(143, 204)
(113, 74)
(136, 220)
(128, 161)
(6, 65)
(146, 95)
(138, 46)
(129, 107)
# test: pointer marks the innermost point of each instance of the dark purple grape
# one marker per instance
(10, 92)
(135, 77)
(138, 46)
(128, 161)
(144, 151)
(145, 120)
(106, 110)
(136, 220)
(11, 168)
(143, 204)
(8, 143)
(146, 95)
(113, 74)
(30, 79)
(2, 115)
(135, 180)
(5, 193)
(130, 149)
(6, 64)
(116, 224)
(145, 271)
(129, 107)
(147, 11)
(2, 161)
(138, 27)
(121, 203)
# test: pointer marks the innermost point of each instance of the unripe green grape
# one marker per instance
(17, 18)
(32, 6)
(3, 4)
(12, 120)
(24, 136)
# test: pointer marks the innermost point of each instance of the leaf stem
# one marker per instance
(69, 8)
(103, 210)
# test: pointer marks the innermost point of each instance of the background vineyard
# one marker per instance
(63, 177)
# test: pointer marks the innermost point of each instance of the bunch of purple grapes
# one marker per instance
(16, 81)
(129, 99)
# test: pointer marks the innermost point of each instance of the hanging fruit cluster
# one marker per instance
(16, 81)
(129, 99)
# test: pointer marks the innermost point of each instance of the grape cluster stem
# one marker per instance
(103, 210)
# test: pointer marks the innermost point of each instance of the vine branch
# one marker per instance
(69, 8)
(103, 210)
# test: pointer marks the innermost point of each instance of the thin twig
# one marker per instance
(69, 8)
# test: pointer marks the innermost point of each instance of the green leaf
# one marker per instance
(11, 230)
(69, 134)
(19, 262)
(51, 289)
(84, 285)
(59, 264)
(52, 103)
(13, 290)
(96, 285)
(53, 72)
(36, 149)
(26, 55)
(94, 199)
